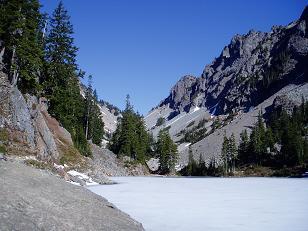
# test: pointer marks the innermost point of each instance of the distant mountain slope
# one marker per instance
(251, 69)
(110, 113)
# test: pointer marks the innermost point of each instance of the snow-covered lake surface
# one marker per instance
(161, 203)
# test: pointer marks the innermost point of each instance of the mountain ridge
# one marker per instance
(252, 68)
(251, 53)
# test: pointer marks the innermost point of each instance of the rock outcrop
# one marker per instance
(106, 163)
(32, 199)
(29, 129)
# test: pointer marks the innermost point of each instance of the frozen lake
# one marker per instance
(161, 203)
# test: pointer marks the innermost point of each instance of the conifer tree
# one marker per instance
(20, 31)
(61, 80)
(225, 154)
(192, 166)
(229, 153)
(243, 150)
(258, 141)
(202, 166)
(89, 102)
(167, 151)
(131, 138)
(94, 126)
(233, 152)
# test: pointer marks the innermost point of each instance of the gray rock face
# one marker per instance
(249, 70)
(30, 129)
(294, 98)
(32, 199)
(105, 163)
(153, 164)
(180, 96)
(15, 116)
(45, 142)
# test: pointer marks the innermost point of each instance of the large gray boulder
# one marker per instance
(32, 199)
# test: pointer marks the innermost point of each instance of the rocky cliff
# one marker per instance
(250, 70)
(27, 128)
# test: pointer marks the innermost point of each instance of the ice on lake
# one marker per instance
(162, 203)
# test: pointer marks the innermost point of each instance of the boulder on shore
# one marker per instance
(32, 199)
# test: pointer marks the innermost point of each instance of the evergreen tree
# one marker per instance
(229, 153)
(269, 141)
(89, 105)
(192, 167)
(131, 138)
(61, 80)
(202, 170)
(233, 152)
(225, 154)
(243, 150)
(212, 169)
(94, 126)
(258, 141)
(96, 123)
(167, 151)
(20, 31)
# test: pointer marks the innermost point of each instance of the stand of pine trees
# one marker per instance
(40, 58)
(281, 143)
(200, 168)
(131, 138)
(22, 42)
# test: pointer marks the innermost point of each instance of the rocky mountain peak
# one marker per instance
(248, 70)
(304, 16)
(180, 93)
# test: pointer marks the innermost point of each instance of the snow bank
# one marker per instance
(88, 180)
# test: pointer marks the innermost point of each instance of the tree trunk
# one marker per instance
(14, 74)
(44, 29)
(2, 55)
(87, 122)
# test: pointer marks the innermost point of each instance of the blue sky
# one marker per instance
(142, 47)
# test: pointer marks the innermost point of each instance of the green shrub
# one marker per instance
(2, 149)
(4, 136)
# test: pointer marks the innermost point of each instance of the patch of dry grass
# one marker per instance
(38, 164)
(70, 155)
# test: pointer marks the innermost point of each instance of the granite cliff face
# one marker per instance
(27, 128)
(252, 69)
(250, 66)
